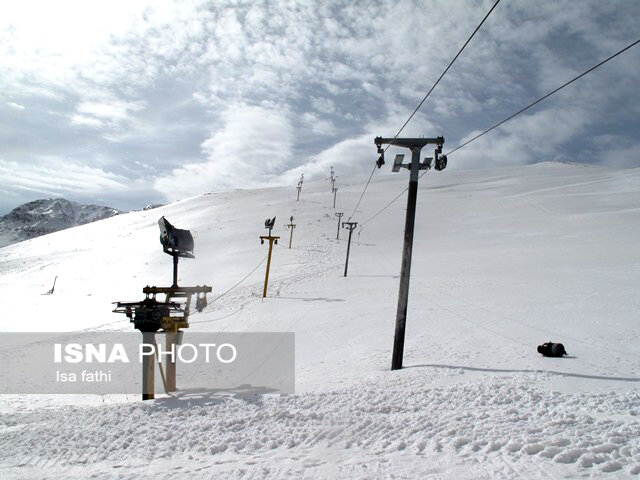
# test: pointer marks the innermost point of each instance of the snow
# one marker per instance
(503, 260)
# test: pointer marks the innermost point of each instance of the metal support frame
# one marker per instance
(351, 226)
(169, 316)
(151, 315)
(415, 145)
(334, 190)
(175, 269)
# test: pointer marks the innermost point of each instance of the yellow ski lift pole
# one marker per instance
(272, 239)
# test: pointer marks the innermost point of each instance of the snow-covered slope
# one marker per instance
(503, 260)
(41, 217)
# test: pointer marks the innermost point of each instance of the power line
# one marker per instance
(387, 205)
(425, 98)
(391, 202)
(509, 118)
(546, 96)
(362, 194)
(243, 279)
(233, 287)
(446, 70)
(219, 318)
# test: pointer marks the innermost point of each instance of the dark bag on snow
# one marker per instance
(551, 349)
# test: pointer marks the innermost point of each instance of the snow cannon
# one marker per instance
(175, 241)
(151, 315)
(269, 223)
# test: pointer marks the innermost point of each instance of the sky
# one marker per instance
(126, 103)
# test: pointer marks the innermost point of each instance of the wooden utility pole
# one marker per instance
(339, 215)
(269, 225)
(172, 342)
(350, 226)
(148, 367)
(291, 225)
(415, 145)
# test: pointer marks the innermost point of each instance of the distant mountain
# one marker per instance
(151, 206)
(41, 217)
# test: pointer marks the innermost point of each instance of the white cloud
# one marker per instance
(532, 138)
(101, 114)
(16, 106)
(59, 177)
(249, 150)
(151, 81)
(349, 156)
(86, 121)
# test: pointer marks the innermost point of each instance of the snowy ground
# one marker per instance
(503, 260)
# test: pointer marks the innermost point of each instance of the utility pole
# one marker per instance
(415, 145)
(350, 226)
(299, 187)
(268, 224)
(291, 225)
(148, 364)
(339, 215)
(333, 182)
(331, 178)
(334, 190)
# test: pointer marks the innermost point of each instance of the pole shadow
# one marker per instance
(376, 276)
(212, 396)
(528, 370)
(311, 299)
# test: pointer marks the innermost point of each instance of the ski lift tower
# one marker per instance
(170, 315)
(269, 224)
(415, 145)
